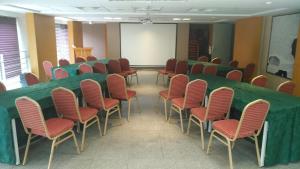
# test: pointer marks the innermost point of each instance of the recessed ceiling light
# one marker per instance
(176, 19)
(108, 18)
(269, 2)
(117, 18)
(90, 22)
(186, 19)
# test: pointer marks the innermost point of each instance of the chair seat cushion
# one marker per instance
(57, 126)
(229, 127)
(178, 102)
(110, 103)
(87, 113)
(200, 112)
(164, 94)
(131, 93)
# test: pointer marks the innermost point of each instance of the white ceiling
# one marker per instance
(157, 10)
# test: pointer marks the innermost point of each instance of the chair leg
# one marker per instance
(181, 123)
(210, 141)
(119, 112)
(27, 148)
(257, 150)
(106, 120)
(83, 136)
(128, 113)
(189, 125)
(165, 104)
(75, 142)
(229, 153)
(157, 77)
(78, 127)
(137, 78)
(51, 153)
(138, 104)
(170, 114)
(202, 135)
(98, 125)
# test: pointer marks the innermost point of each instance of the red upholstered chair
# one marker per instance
(47, 65)
(31, 79)
(250, 125)
(197, 69)
(235, 75)
(63, 62)
(218, 108)
(91, 58)
(287, 87)
(79, 60)
(66, 106)
(85, 68)
(2, 87)
(99, 68)
(216, 60)
(60, 73)
(34, 124)
(117, 90)
(248, 72)
(125, 67)
(210, 70)
(170, 68)
(181, 68)
(93, 96)
(203, 59)
(176, 90)
(194, 97)
(260, 80)
(114, 66)
(234, 63)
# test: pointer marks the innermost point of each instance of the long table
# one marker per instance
(281, 136)
(9, 147)
(222, 69)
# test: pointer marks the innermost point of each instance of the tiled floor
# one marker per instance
(146, 142)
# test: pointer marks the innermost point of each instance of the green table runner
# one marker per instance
(42, 94)
(222, 69)
(283, 143)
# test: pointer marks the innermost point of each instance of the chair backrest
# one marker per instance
(65, 103)
(79, 59)
(177, 86)
(47, 65)
(60, 73)
(181, 67)
(219, 103)
(287, 87)
(91, 58)
(31, 79)
(31, 116)
(210, 70)
(234, 63)
(124, 64)
(216, 60)
(2, 87)
(92, 93)
(252, 119)
(85, 68)
(63, 62)
(235, 75)
(117, 86)
(171, 64)
(248, 72)
(99, 68)
(259, 80)
(197, 68)
(195, 93)
(114, 66)
(203, 59)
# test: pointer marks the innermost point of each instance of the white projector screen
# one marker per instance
(148, 44)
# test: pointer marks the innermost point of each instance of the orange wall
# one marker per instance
(247, 40)
(75, 37)
(296, 75)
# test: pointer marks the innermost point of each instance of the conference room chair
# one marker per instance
(210, 70)
(194, 97)
(216, 60)
(114, 66)
(170, 68)
(248, 72)
(85, 68)
(203, 59)
(249, 125)
(260, 80)
(67, 107)
(234, 63)
(287, 87)
(2, 87)
(47, 65)
(235, 75)
(63, 62)
(92, 94)
(181, 68)
(218, 108)
(197, 69)
(31, 79)
(117, 90)
(60, 73)
(176, 90)
(79, 59)
(91, 58)
(99, 67)
(57, 130)
(125, 67)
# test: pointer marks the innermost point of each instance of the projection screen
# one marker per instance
(148, 44)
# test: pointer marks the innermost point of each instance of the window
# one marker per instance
(62, 41)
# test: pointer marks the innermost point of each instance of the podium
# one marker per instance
(82, 52)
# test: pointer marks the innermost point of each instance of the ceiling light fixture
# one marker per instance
(176, 19)
(186, 19)
(269, 2)
(108, 18)
(117, 18)
(90, 22)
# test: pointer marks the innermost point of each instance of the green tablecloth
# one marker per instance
(283, 143)
(222, 69)
(72, 68)
(39, 92)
